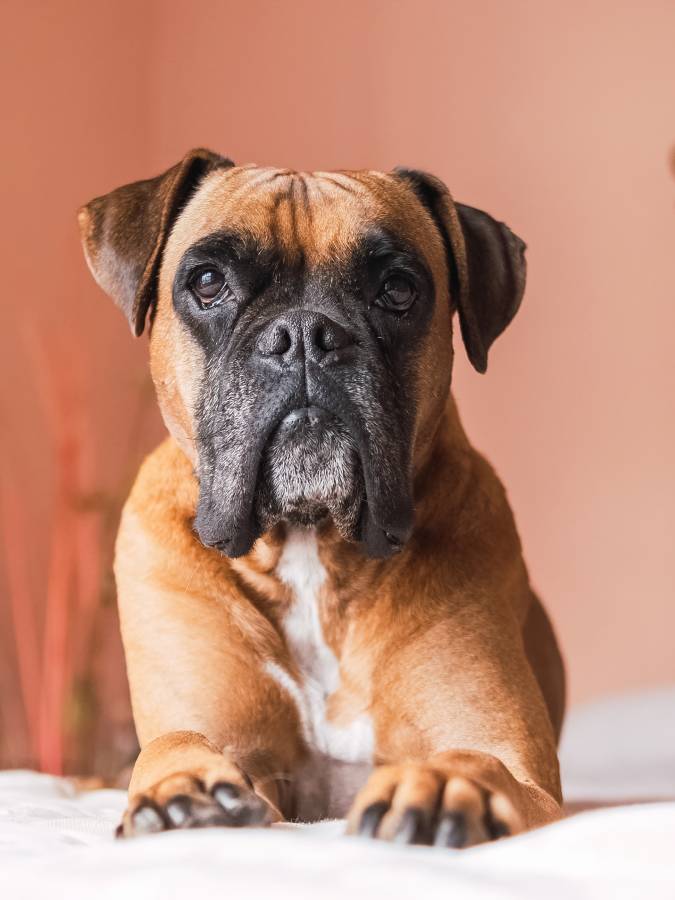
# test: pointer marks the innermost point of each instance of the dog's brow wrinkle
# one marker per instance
(301, 193)
(266, 176)
(250, 184)
(304, 192)
(349, 188)
(243, 189)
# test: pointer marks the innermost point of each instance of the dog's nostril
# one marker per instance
(276, 342)
(325, 340)
(329, 336)
(303, 332)
(283, 342)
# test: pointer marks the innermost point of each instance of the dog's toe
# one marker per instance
(147, 818)
(179, 810)
(370, 819)
(242, 806)
(451, 830)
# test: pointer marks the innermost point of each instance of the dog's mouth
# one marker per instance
(305, 450)
(310, 471)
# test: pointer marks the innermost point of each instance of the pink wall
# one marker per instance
(557, 118)
(73, 77)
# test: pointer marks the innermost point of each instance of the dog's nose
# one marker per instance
(303, 333)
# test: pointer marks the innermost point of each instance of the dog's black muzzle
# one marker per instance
(301, 363)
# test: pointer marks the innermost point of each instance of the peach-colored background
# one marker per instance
(557, 118)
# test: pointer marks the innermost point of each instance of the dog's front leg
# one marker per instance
(232, 761)
(463, 734)
(219, 738)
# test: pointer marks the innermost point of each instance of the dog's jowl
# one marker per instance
(324, 605)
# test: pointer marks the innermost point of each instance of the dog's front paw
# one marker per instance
(186, 801)
(445, 802)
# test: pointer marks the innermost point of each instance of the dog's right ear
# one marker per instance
(124, 232)
(486, 260)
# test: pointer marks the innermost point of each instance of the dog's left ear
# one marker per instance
(124, 232)
(486, 262)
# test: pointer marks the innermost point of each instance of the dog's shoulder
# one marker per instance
(156, 529)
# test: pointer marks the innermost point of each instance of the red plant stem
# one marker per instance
(54, 375)
(75, 557)
(55, 646)
(87, 538)
(87, 588)
(26, 637)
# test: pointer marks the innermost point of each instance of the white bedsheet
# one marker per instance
(56, 843)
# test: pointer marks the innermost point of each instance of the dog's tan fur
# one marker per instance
(444, 646)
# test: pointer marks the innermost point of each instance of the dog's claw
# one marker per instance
(370, 819)
(148, 819)
(413, 828)
(179, 810)
(451, 831)
(241, 809)
(228, 795)
(497, 829)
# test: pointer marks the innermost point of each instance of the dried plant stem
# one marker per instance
(24, 623)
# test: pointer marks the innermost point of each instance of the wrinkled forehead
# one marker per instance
(321, 216)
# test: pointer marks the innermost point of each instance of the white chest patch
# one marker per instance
(342, 754)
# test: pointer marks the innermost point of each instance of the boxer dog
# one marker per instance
(324, 605)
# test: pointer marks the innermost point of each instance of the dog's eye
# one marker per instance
(207, 285)
(397, 294)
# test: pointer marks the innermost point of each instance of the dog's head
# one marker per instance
(301, 331)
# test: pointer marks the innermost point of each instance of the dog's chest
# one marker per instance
(340, 755)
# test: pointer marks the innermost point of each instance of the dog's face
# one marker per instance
(301, 332)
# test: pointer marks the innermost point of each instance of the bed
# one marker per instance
(57, 842)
